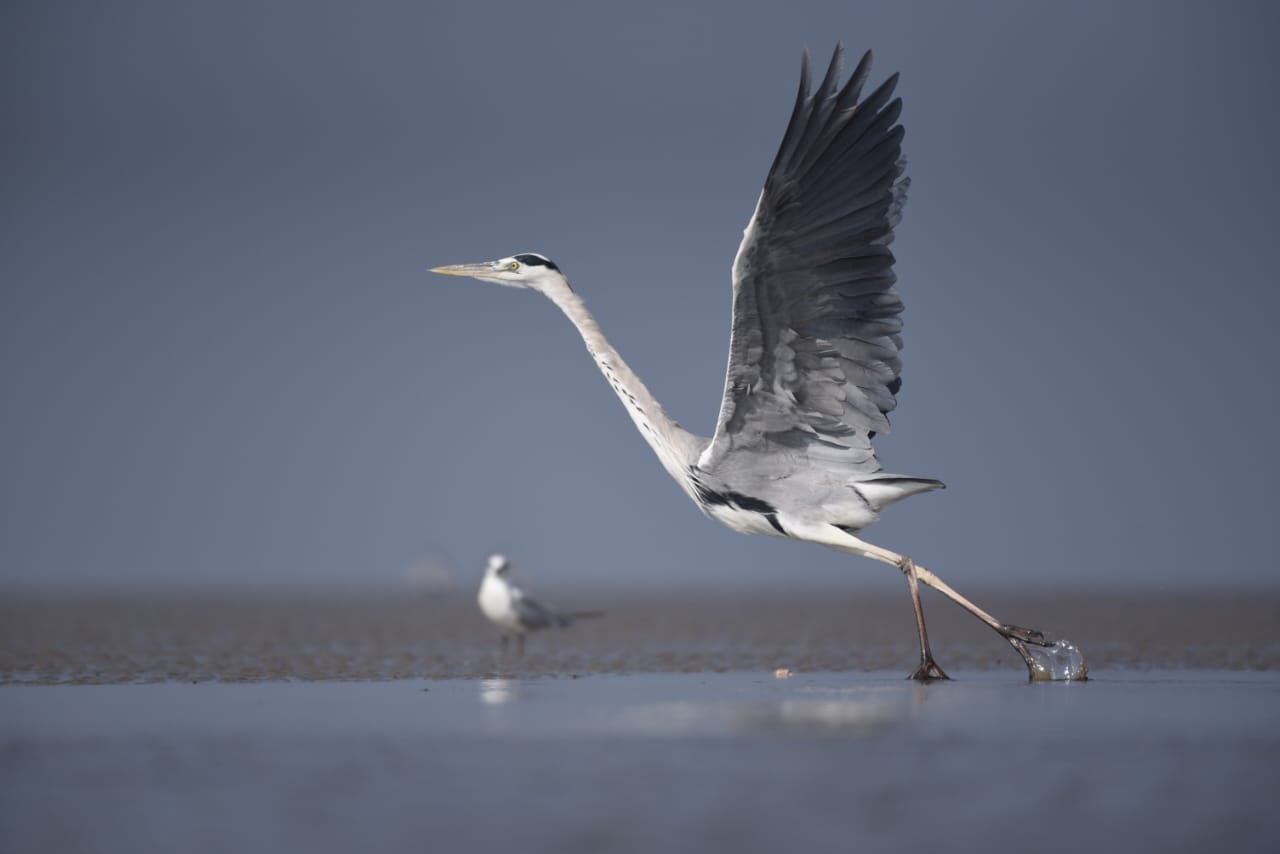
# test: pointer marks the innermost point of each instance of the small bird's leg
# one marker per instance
(520, 644)
(928, 669)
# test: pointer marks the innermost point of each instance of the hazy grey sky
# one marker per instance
(222, 359)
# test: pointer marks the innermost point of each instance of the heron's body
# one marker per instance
(776, 484)
(814, 367)
(751, 505)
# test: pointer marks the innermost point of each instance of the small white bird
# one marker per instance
(508, 608)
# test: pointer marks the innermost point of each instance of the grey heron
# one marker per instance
(510, 609)
(813, 367)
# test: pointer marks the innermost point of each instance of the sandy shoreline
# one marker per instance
(236, 637)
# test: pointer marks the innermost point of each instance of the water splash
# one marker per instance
(1058, 663)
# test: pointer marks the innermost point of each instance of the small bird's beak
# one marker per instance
(484, 269)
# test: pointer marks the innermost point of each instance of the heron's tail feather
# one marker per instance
(883, 490)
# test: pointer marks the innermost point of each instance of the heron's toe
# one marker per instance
(1027, 635)
(928, 671)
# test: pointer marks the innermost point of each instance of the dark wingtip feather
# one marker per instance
(828, 86)
(890, 83)
(795, 125)
(837, 55)
(859, 76)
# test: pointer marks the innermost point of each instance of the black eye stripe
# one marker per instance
(537, 261)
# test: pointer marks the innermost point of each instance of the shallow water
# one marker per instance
(1157, 761)
(333, 724)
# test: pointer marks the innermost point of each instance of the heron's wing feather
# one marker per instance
(813, 357)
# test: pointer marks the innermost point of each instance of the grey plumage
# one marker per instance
(534, 615)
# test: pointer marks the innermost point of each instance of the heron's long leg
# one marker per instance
(1007, 630)
(1017, 636)
(929, 668)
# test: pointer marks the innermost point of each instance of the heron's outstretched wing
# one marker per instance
(813, 358)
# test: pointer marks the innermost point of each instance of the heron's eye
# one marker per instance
(514, 265)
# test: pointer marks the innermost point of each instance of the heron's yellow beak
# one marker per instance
(465, 269)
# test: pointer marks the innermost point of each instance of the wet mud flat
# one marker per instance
(243, 637)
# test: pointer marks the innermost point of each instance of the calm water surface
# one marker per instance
(1153, 761)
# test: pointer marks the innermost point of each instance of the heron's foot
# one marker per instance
(928, 671)
(1050, 662)
(1013, 633)
(1036, 670)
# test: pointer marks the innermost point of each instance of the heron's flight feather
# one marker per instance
(813, 357)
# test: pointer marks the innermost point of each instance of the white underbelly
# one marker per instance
(743, 521)
(495, 602)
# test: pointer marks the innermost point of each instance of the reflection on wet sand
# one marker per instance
(849, 710)
(849, 717)
(497, 692)
(849, 713)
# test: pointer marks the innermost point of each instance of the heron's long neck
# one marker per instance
(676, 447)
